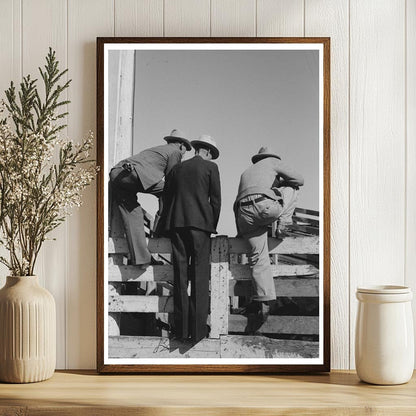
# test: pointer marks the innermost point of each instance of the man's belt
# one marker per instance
(254, 201)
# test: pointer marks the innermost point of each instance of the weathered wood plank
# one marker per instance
(244, 346)
(284, 287)
(306, 220)
(289, 245)
(307, 325)
(227, 346)
(306, 211)
(242, 271)
(136, 274)
(150, 347)
(219, 286)
(160, 245)
(123, 273)
(305, 229)
(155, 245)
(145, 304)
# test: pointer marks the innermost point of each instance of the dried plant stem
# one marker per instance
(36, 194)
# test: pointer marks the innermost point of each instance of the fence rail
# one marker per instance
(295, 277)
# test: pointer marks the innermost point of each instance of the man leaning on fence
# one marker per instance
(192, 209)
(267, 192)
(143, 173)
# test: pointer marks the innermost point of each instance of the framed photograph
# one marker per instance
(213, 205)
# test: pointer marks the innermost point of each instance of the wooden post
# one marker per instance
(220, 271)
(121, 84)
(114, 289)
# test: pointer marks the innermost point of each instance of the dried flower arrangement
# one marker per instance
(42, 176)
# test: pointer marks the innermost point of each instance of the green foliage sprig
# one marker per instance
(41, 175)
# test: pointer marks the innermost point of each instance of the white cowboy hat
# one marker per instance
(207, 142)
(178, 136)
(263, 153)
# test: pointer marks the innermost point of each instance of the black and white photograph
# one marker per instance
(214, 196)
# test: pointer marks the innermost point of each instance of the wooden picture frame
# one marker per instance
(309, 227)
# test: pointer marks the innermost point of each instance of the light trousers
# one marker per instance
(252, 223)
(125, 186)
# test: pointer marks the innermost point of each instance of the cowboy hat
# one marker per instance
(206, 142)
(263, 153)
(178, 136)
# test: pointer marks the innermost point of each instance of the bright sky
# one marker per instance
(244, 100)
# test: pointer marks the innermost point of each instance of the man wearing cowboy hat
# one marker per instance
(267, 193)
(144, 173)
(192, 209)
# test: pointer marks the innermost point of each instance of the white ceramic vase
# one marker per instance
(27, 331)
(384, 340)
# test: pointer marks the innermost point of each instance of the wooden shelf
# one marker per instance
(86, 393)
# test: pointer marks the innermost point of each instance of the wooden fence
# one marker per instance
(296, 278)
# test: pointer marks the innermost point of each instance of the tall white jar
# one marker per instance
(384, 338)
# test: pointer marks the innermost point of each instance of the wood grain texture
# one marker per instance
(86, 393)
(242, 271)
(145, 347)
(410, 278)
(145, 304)
(279, 324)
(123, 107)
(284, 287)
(377, 152)
(280, 18)
(294, 287)
(233, 18)
(220, 274)
(187, 18)
(331, 18)
(85, 20)
(290, 245)
(10, 44)
(10, 66)
(36, 39)
(136, 274)
(138, 17)
(234, 346)
(227, 346)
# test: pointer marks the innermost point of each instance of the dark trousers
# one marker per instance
(125, 185)
(190, 256)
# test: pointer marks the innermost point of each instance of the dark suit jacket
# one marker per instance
(151, 165)
(193, 196)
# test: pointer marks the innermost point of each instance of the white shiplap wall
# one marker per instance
(373, 129)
